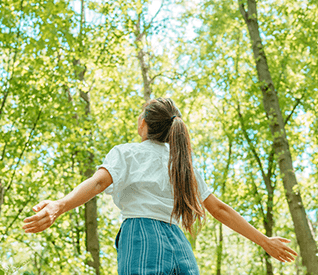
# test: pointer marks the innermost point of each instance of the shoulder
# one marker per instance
(142, 150)
(146, 148)
(126, 148)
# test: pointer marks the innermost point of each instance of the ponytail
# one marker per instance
(164, 123)
(187, 202)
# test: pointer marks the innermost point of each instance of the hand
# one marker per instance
(276, 248)
(48, 211)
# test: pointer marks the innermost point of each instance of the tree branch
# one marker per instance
(1, 195)
(15, 218)
(249, 141)
(151, 21)
(270, 162)
(258, 198)
(82, 22)
(298, 100)
(253, 149)
(227, 168)
(35, 252)
(140, 34)
(281, 73)
(157, 75)
(22, 152)
(3, 151)
(14, 59)
(242, 10)
(8, 133)
(143, 65)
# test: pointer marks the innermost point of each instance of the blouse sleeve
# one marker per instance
(116, 165)
(202, 186)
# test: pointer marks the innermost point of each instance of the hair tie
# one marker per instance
(173, 117)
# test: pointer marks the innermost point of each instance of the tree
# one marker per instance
(305, 239)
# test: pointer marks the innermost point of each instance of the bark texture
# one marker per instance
(219, 251)
(92, 241)
(219, 248)
(142, 61)
(7, 87)
(307, 244)
(91, 225)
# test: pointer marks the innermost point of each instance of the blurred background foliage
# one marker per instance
(59, 57)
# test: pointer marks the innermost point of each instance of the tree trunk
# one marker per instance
(91, 225)
(269, 224)
(308, 248)
(142, 62)
(268, 220)
(219, 248)
(219, 251)
(1, 195)
(92, 243)
(11, 75)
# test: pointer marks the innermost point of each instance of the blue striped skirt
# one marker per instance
(147, 246)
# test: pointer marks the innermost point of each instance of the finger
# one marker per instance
(31, 219)
(284, 240)
(278, 258)
(40, 206)
(290, 259)
(36, 222)
(281, 259)
(287, 257)
(38, 228)
(36, 217)
(291, 251)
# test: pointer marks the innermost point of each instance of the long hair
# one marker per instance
(165, 124)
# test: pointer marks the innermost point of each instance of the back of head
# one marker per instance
(165, 124)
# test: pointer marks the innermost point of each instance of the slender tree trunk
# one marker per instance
(37, 265)
(142, 61)
(1, 195)
(3, 189)
(307, 244)
(219, 250)
(78, 236)
(7, 87)
(269, 224)
(268, 220)
(91, 225)
(92, 241)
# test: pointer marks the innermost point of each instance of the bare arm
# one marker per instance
(229, 217)
(49, 211)
(87, 190)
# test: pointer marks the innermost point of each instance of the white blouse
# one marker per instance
(141, 186)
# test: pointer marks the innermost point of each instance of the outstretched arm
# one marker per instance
(49, 211)
(228, 216)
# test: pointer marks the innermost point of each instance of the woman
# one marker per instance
(155, 186)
